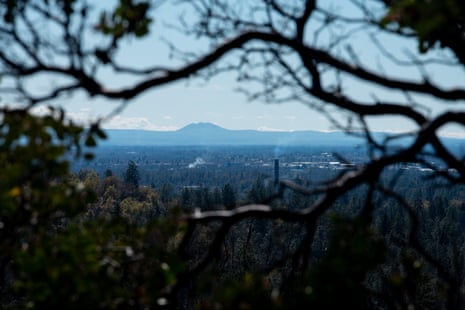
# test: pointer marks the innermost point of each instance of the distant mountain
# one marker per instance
(202, 128)
(211, 134)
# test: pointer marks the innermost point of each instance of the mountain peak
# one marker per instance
(202, 127)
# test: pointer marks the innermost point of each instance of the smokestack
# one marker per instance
(276, 172)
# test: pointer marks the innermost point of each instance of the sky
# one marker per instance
(176, 105)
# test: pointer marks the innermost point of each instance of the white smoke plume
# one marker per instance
(198, 161)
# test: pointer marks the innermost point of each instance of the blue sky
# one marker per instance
(179, 104)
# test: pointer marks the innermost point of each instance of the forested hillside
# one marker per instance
(257, 247)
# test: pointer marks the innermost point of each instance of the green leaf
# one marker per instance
(90, 141)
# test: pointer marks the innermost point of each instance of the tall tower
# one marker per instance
(276, 172)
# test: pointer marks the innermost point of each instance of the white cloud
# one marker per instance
(120, 122)
(265, 128)
(84, 117)
(452, 134)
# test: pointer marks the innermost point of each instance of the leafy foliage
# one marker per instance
(99, 264)
(129, 17)
(35, 191)
(434, 22)
(51, 253)
(35, 188)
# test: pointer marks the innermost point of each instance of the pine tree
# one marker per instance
(229, 197)
(131, 176)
